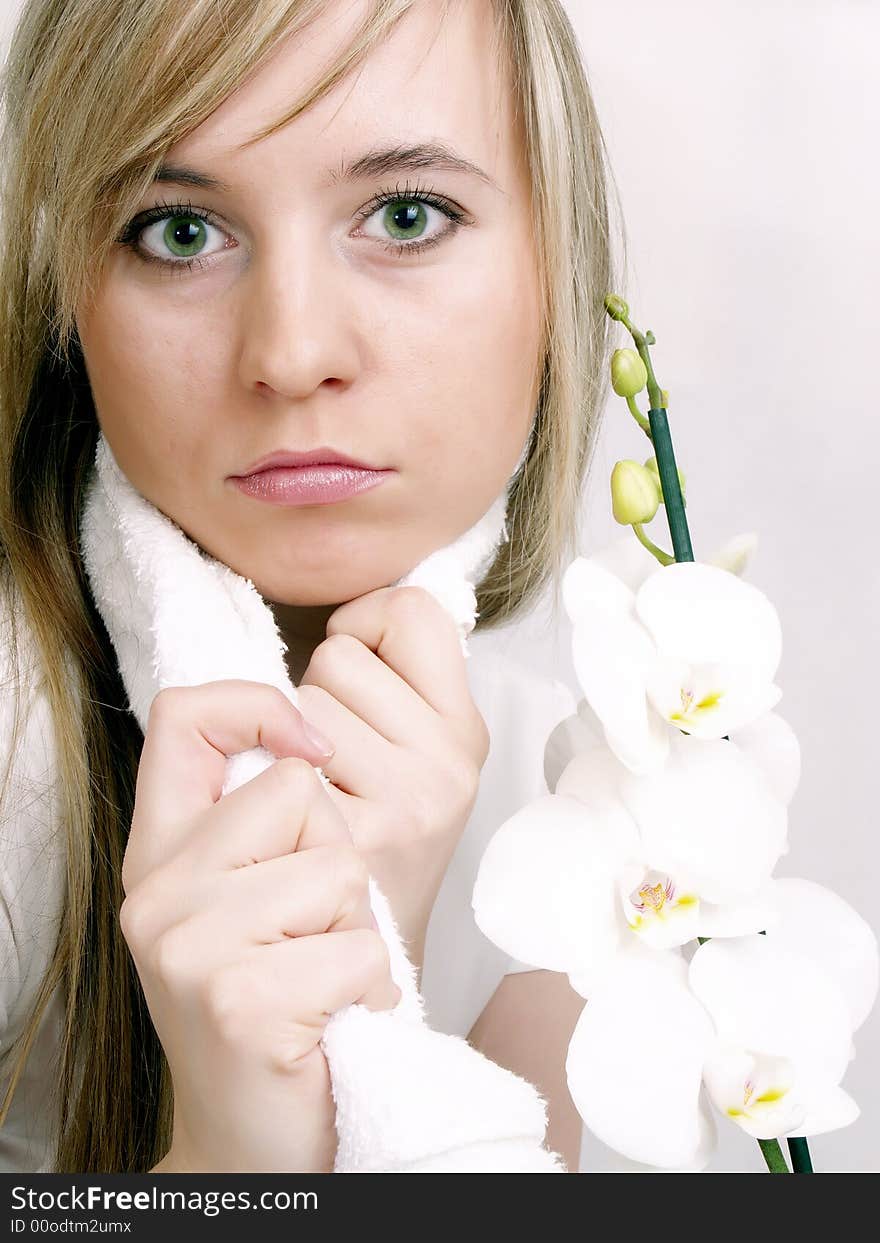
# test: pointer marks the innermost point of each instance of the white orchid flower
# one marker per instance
(764, 1022)
(708, 820)
(691, 647)
(784, 1035)
(635, 1063)
(769, 741)
(613, 861)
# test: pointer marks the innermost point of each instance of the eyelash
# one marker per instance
(130, 235)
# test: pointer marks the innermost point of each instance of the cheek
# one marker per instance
(482, 368)
(149, 382)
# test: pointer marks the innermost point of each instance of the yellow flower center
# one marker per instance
(654, 896)
(769, 1097)
(690, 710)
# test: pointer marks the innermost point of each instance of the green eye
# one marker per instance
(183, 235)
(405, 218)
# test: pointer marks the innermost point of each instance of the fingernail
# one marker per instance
(318, 740)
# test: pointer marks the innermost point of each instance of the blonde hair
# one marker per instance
(93, 96)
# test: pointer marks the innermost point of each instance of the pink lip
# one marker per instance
(318, 484)
(324, 455)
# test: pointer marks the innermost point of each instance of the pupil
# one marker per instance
(409, 215)
(185, 234)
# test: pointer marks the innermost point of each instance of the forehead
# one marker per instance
(433, 79)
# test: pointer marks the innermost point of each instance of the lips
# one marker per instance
(323, 455)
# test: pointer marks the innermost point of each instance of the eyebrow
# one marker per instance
(378, 162)
(382, 160)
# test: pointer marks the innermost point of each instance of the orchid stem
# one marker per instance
(638, 416)
(663, 451)
(799, 1151)
(669, 482)
(663, 557)
(773, 1156)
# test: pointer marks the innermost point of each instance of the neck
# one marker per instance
(303, 628)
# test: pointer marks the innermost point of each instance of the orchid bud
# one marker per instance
(629, 375)
(616, 307)
(635, 493)
(651, 465)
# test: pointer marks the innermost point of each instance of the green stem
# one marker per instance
(663, 557)
(638, 416)
(799, 1151)
(773, 1156)
(669, 482)
(666, 467)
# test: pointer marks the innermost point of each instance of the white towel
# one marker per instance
(408, 1099)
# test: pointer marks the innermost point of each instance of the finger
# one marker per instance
(323, 889)
(365, 764)
(414, 635)
(283, 810)
(191, 731)
(357, 679)
(334, 969)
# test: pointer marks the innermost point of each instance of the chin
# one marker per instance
(334, 590)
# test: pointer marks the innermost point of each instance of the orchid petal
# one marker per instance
(818, 923)
(644, 750)
(582, 731)
(703, 614)
(593, 776)
(708, 815)
(773, 745)
(828, 1111)
(627, 559)
(613, 656)
(586, 586)
(734, 555)
(607, 1161)
(741, 918)
(545, 890)
(635, 1060)
(773, 1001)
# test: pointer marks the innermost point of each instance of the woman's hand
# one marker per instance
(249, 922)
(388, 685)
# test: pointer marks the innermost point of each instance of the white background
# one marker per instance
(744, 141)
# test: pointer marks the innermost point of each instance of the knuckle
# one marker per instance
(482, 738)
(171, 958)
(309, 694)
(373, 954)
(226, 996)
(331, 651)
(165, 705)
(135, 918)
(411, 602)
(351, 869)
(295, 775)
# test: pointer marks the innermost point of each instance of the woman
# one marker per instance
(205, 274)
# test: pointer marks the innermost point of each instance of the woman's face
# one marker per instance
(305, 327)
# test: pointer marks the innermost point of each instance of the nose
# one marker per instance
(299, 325)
